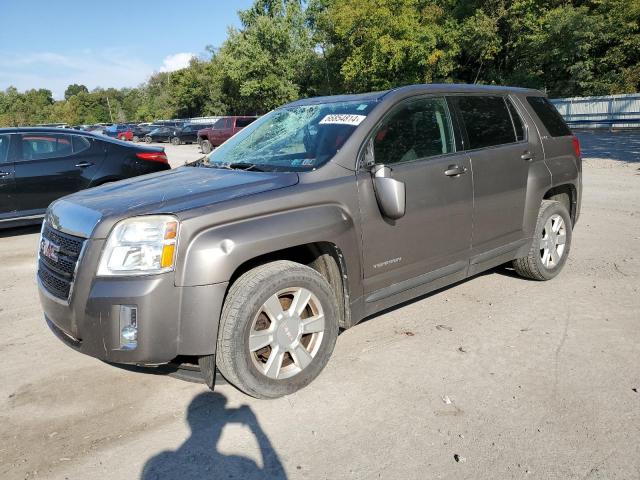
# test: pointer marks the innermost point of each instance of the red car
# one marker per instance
(222, 130)
(127, 135)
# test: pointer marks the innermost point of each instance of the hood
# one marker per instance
(171, 191)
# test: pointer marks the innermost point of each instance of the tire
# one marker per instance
(136, 138)
(541, 263)
(260, 295)
(147, 139)
(206, 146)
(175, 141)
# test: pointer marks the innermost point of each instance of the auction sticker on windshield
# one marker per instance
(342, 119)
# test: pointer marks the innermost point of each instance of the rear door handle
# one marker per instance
(84, 164)
(455, 170)
(527, 156)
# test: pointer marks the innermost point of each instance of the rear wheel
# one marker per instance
(136, 138)
(147, 139)
(550, 245)
(277, 330)
(175, 141)
(206, 146)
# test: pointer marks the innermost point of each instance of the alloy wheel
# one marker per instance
(286, 333)
(552, 243)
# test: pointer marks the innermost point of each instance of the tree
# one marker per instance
(74, 90)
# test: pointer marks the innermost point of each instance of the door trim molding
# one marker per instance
(416, 281)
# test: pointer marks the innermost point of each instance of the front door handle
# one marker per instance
(527, 156)
(84, 164)
(455, 170)
(4, 174)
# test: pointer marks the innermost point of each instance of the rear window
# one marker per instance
(517, 121)
(487, 120)
(549, 116)
(39, 146)
(80, 143)
(243, 122)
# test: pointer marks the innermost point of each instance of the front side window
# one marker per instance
(486, 119)
(4, 147)
(419, 129)
(297, 138)
(40, 146)
(549, 116)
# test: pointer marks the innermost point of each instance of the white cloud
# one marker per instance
(105, 68)
(176, 61)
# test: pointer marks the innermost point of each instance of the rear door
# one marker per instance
(495, 140)
(7, 206)
(51, 165)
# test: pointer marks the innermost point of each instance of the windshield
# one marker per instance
(295, 138)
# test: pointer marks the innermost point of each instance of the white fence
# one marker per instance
(611, 111)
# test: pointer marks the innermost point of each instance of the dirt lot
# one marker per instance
(496, 377)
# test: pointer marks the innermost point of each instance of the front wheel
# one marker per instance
(175, 141)
(277, 330)
(206, 146)
(136, 138)
(550, 245)
(147, 139)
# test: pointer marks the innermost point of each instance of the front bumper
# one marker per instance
(171, 320)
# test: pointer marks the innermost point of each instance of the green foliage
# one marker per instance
(286, 49)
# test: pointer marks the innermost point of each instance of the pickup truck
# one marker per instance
(317, 215)
(222, 130)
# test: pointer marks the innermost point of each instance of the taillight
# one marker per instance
(153, 156)
(576, 146)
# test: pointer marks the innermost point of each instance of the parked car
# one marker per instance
(40, 165)
(319, 214)
(188, 133)
(222, 130)
(121, 132)
(141, 131)
(159, 134)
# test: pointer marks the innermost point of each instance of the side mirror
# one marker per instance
(390, 193)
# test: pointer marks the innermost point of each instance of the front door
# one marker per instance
(433, 237)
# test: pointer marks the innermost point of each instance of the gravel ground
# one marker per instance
(496, 377)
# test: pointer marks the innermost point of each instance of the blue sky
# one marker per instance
(110, 43)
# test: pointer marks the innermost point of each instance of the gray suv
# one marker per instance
(317, 215)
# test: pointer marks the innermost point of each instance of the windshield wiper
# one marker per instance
(245, 166)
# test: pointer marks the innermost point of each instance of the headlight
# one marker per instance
(140, 246)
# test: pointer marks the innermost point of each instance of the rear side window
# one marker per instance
(40, 146)
(549, 116)
(419, 129)
(80, 144)
(517, 121)
(243, 122)
(4, 147)
(487, 120)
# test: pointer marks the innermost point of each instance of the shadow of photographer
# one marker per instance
(198, 457)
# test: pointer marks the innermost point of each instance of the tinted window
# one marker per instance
(80, 144)
(4, 147)
(220, 123)
(517, 121)
(39, 146)
(551, 119)
(243, 122)
(420, 129)
(486, 120)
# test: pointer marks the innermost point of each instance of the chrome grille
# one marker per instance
(58, 276)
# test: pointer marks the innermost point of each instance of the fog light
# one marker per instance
(128, 327)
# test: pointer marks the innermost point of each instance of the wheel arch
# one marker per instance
(322, 237)
(566, 194)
